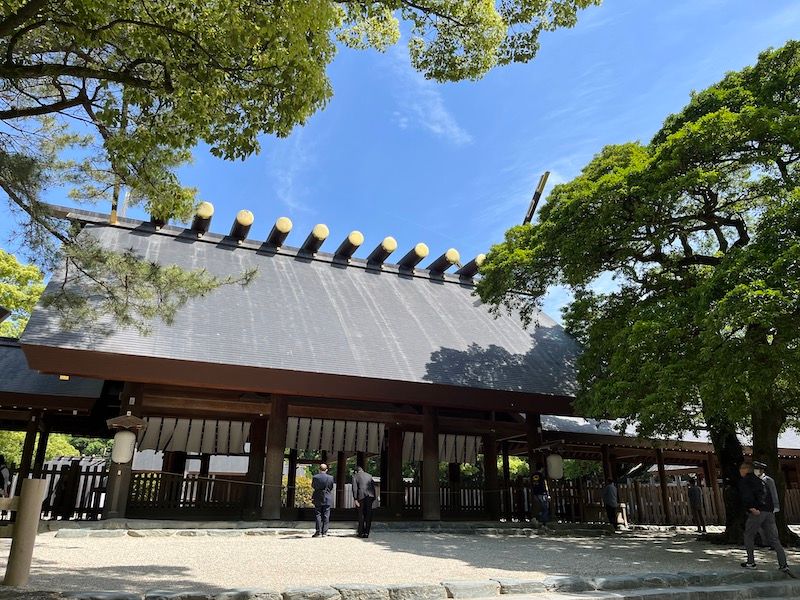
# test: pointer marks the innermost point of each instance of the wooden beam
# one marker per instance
(217, 376)
(26, 460)
(506, 483)
(341, 479)
(291, 479)
(396, 486)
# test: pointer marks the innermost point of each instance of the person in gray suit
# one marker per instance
(364, 495)
(322, 497)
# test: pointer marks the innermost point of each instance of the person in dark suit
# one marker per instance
(364, 495)
(322, 484)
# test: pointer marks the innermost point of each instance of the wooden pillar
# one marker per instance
(713, 481)
(341, 479)
(205, 465)
(454, 486)
(637, 494)
(361, 460)
(26, 461)
(395, 499)
(384, 471)
(797, 470)
(291, 479)
(41, 449)
(662, 477)
(431, 505)
(323, 456)
(255, 468)
(119, 475)
(276, 449)
(534, 438)
(506, 483)
(608, 471)
(491, 491)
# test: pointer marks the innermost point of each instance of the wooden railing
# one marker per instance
(166, 495)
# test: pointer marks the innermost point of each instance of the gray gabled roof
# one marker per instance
(319, 315)
(17, 378)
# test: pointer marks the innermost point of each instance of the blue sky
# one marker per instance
(454, 165)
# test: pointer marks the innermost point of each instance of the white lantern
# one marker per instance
(555, 466)
(124, 444)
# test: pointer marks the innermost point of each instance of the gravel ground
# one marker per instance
(218, 563)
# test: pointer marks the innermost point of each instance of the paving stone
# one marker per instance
(248, 594)
(471, 589)
(416, 592)
(191, 532)
(72, 533)
(262, 531)
(616, 582)
(568, 584)
(662, 580)
(151, 532)
(486, 531)
(520, 586)
(322, 592)
(165, 595)
(108, 533)
(102, 596)
(362, 591)
(224, 532)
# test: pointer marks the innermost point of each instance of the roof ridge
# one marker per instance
(101, 219)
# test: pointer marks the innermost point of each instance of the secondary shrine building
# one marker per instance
(322, 355)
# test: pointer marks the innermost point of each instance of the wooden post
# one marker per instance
(534, 438)
(394, 472)
(361, 460)
(608, 472)
(41, 449)
(384, 475)
(255, 468)
(205, 465)
(637, 492)
(506, 483)
(491, 493)
(119, 475)
(26, 526)
(291, 479)
(662, 476)
(454, 486)
(431, 505)
(26, 460)
(713, 481)
(276, 450)
(341, 478)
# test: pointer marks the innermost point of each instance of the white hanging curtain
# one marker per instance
(207, 436)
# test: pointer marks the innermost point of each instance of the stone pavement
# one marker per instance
(211, 562)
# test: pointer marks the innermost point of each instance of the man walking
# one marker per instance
(539, 488)
(759, 505)
(611, 502)
(322, 484)
(696, 505)
(364, 495)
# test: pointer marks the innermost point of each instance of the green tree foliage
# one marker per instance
(126, 89)
(575, 469)
(11, 443)
(303, 492)
(98, 447)
(20, 288)
(700, 229)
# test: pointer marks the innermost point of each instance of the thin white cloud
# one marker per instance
(289, 159)
(421, 104)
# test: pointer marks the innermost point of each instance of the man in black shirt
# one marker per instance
(758, 503)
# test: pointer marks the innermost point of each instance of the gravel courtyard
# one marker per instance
(218, 563)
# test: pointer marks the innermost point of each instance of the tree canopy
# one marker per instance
(700, 229)
(106, 99)
(20, 289)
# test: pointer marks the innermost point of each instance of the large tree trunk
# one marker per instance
(768, 420)
(730, 454)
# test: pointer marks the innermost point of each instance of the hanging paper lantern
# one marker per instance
(124, 444)
(555, 466)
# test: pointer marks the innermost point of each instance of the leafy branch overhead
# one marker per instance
(126, 89)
